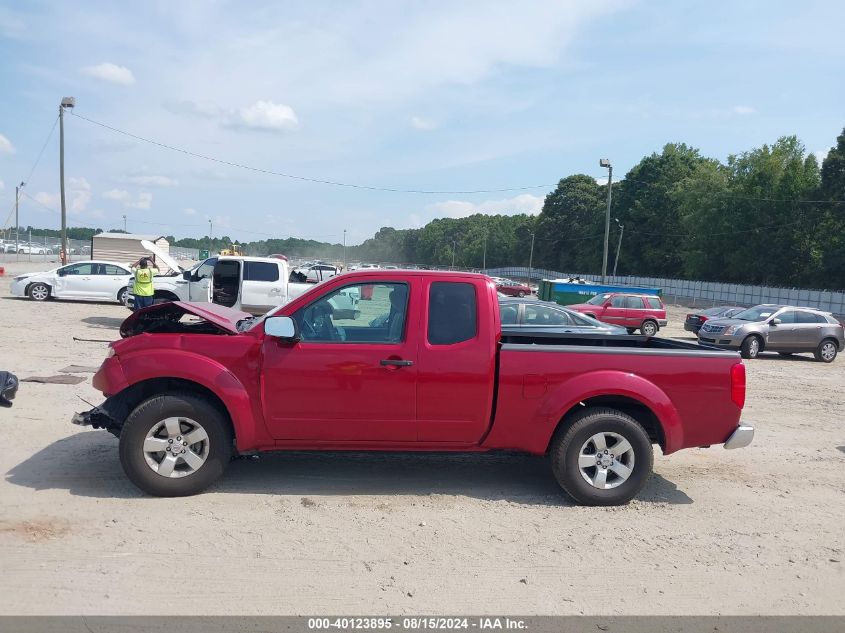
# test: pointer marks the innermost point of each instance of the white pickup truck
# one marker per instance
(251, 284)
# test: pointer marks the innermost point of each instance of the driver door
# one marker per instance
(353, 376)
(76, 280)
(198, 289)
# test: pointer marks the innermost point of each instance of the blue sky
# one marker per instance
(436, 96)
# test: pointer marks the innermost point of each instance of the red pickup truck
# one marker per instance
(423, 366)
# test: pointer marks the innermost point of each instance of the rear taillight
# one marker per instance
(703, 318)
(689, 316)
(738, 385)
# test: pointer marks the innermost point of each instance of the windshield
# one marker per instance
(598, 299)
(760, 313)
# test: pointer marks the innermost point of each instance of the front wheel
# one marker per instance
(826, 351)
(122, 296)
(39, 292)
(750, 347)
(175, 444)
(603, 458)
(520, 294)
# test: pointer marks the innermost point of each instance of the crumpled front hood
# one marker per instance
(224, 318)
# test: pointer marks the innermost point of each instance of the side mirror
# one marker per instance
(282, 328)
(775, 322)
(186, 275)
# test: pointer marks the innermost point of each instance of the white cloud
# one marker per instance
(190, 211)
(144, 201)
(743, 109)
(523, 203)
(265, 115)
(79, 192)
(116, 194)
(152, 181)
(111, 73)
(420, 123)
(51, 200)
(6, 146)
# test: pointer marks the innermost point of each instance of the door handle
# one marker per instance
(395, 362)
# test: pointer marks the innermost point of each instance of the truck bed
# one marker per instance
(515, 339)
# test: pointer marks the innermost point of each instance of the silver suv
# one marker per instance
(776, 328)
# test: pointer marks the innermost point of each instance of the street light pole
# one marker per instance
(531, 259)
(604, 162)
(210, 230)
(484, 258)
(67, 102)
(619, 245)
(344, 249)
(124, 223)
(17, 221)
(453, 253)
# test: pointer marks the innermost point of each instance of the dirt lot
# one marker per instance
(753, 531)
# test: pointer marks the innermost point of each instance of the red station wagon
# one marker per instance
(645, 313)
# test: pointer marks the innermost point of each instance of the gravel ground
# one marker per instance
(755, 531)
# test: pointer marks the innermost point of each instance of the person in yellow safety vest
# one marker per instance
(143, 287)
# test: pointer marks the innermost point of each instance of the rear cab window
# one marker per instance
(261, 271)
(452, 313)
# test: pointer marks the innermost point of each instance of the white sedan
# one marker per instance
(95, 280)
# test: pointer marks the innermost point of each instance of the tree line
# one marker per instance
(771, 215)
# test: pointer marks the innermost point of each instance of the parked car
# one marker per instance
(777, 328)
(545, 316)
(645, 313)
(696, 319)
(252, 284)
(97, 280)
(513, 288)
(437, 375)
(316, 273)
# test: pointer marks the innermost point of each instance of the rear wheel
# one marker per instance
(751, 347)
(603, 458)
(649, 328)
(121, 296)
(826, 351)
(39, 292)
(175, 445)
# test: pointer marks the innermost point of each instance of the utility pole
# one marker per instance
(17, 221)
(124, 223)
(619, 245)
(604, 162)
(344, 249)
(484, 260)
(531, 259)
(210, 229)
(67, 102)
(453, 254)
(30, 243)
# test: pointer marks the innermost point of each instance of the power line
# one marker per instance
(319, 181)
(34, 165)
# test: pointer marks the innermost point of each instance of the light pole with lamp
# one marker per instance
(604, 162)
(344, 250)
(18, 190)
(619, 245)
(67, 102)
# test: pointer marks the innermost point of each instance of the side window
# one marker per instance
(80, 269)
(634, 302)
(654, 303)
(787, 317)
(617, 302)
(261, 271)
(452, 313)
(809, 317)
(205, 270)
(341, 316)
(113, 270)
(509, 314)
(542, 315)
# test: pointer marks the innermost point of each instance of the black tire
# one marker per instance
(826, 351)
(121, 296)
(649, 327)
(785, 353)
(155, 410)
(748, 349)
(567, 444)
(39, 292)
